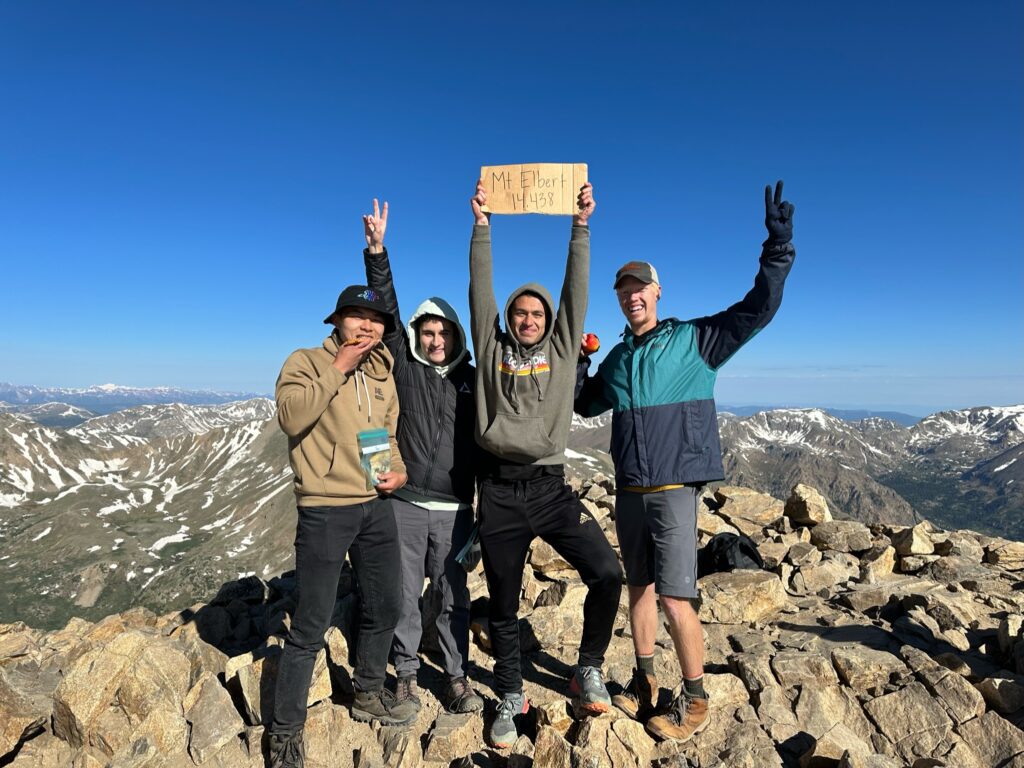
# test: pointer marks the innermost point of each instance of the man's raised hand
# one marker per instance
(477, 202)
(778, 215)
(374, 226)
(585, 205)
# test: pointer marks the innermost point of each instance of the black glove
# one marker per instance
(778, 215)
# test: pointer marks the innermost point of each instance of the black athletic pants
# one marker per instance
(512, 513)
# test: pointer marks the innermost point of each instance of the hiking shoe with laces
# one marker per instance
(503, 732)
(459, 698)
(587, 686)
(640, 697)
(686, 717)
(407, 690)
(383, 707)
(287, 750)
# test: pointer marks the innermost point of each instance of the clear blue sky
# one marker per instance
(182, 182)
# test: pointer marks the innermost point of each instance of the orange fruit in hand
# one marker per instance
(590, 343)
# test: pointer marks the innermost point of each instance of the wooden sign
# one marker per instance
(534, 188)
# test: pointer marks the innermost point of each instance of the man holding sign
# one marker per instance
(659, 382)
(525, 386)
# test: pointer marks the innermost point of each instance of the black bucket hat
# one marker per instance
(366, 297)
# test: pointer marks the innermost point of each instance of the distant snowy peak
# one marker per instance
(107, 398)
(998, 426)
(143, 422)
(594, 422)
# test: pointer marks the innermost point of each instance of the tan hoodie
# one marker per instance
(322, 410)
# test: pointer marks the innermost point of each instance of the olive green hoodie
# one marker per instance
(322, 410)
(525, 394)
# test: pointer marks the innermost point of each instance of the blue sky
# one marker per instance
(183, 182)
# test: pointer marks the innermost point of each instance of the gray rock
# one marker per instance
(841, 536)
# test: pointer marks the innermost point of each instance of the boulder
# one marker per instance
(911, 721)
(603, 741)
(806, 506)
(21, 716)
(841, 536)
(877, 563)
(452, 737)
(793, 668)
(993, 737)
(741, 597)
(551, 750)
(738, 503)
(836, 743)
(961, 544)
(212, 716)
(90, 683)
(1003, 694)
(913, 541)
(1006, 554)
(803, 554)
(864, 669)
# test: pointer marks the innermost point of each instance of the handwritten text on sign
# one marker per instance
(535, 188)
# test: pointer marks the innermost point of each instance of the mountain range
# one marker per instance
(159, 504)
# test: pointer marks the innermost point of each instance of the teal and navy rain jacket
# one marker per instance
(660, 386)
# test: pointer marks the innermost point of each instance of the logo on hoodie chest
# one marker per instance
(513, 366)
(378, 392)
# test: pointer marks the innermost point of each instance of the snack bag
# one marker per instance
(374, 455)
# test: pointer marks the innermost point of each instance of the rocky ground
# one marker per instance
(859, 646)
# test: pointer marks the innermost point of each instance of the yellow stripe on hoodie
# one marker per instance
(322, 410)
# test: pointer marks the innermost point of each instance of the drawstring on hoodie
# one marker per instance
(369, 400)
(511, 390)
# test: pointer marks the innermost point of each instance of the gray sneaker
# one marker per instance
(587, 686)
(383, 707)
(287, 751)
(503, 730)
(407, 690)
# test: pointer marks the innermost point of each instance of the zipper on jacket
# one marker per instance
(439, 415)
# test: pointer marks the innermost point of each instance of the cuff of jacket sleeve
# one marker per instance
(482, 232)
(580, 233)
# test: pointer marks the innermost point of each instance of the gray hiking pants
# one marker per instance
(429, 541)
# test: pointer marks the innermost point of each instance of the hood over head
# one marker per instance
(440, 308)
(549, 310)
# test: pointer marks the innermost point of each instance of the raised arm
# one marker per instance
(590, 398)
(379, 278)
(572, 304)
(719, 336)
(483, 308)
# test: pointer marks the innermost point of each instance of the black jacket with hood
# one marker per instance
(435, 427)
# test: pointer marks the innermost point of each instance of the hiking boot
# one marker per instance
(459, 698)
(503, 732)
(588, 688)
(687, 716)
(640, 697)
(286, 750)
(383, 707)
(407, 690)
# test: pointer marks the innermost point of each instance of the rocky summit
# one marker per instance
(863, 646)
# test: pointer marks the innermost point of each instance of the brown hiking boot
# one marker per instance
(640, 697)
(686, 718)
